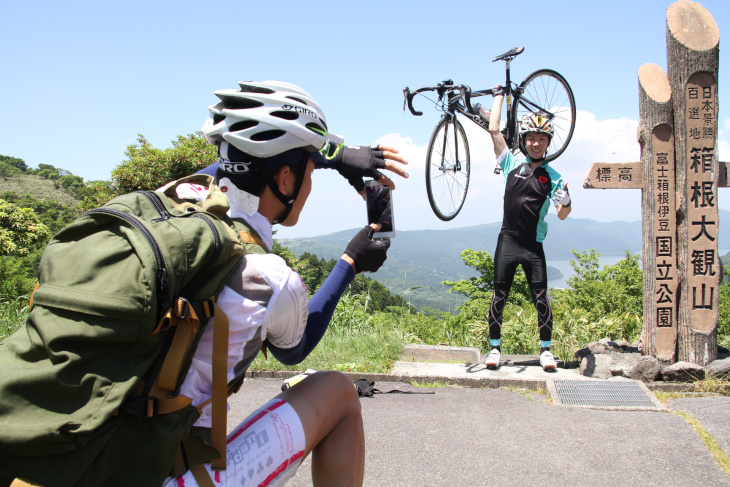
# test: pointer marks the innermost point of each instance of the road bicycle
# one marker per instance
(544, 92)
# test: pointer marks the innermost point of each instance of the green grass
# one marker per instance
(349, 345)
(706, 387)
(12, 315)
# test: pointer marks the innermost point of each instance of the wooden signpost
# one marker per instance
(679, 176)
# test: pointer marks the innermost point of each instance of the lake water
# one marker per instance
(564, 267)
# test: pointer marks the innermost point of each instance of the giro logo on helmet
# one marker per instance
(305, 111)
(234, 167)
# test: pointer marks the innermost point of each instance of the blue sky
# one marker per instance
(82, 79)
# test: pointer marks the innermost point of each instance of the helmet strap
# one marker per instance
(287, 201)
(523, 149)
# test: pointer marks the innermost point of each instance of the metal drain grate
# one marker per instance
(600, 393)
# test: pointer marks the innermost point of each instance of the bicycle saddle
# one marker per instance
(511, 54)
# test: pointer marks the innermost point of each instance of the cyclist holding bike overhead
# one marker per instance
(529, 185)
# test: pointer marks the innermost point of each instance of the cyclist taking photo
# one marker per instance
(530, 184)
(265, 168)
(164, 423)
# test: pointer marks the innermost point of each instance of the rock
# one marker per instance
(647, 369)
(610, 345)
(622, 343)
(593, 348)
(596, 366)
(624, 363)
(722, 352)
(718, 368)
(683, 372)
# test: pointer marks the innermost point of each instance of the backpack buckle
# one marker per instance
(140, 407)
(182, 308)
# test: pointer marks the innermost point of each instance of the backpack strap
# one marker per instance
(201, 475)
(35, 288)
(249, 237)
(220, 389)
(23, 483)
(184, 318)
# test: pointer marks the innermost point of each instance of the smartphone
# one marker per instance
(379, 202)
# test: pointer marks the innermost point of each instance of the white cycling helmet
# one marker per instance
(536, 123)
(264, 119)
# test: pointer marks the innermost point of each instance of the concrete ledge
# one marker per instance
(436, 376)
(442, 354)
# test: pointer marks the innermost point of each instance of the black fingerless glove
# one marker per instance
(367, 254)
(356, 162)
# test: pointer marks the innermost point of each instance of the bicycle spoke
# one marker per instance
(546, 93)
(447, 172)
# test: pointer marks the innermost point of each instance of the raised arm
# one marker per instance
(500, 145)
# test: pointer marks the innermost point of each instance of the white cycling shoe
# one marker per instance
(547, 361)
(493, 359)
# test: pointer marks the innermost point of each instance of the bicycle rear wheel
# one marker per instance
(545, 92)
(447, 168)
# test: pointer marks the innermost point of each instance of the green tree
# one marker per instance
(73, 184)
(723, 327)
(96, 194)
(46, 171)
(20, 230)
(15, 162)
(481, 287)
(8, 170)
(611, 290)
(148, 168)
(51, 213)
(313, 270)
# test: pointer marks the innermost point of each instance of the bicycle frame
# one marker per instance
(544, 92)
(459, 98)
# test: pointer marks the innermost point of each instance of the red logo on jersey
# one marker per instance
(543, 179)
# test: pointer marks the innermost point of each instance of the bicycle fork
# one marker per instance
(457, 162)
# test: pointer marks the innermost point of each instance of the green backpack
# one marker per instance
(89, 385)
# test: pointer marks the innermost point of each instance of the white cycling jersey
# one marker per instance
(264, 300)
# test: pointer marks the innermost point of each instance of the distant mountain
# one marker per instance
(425, 258)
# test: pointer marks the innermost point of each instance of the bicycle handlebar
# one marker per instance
(447, 86)
(409, 98)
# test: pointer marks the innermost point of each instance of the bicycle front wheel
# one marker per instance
(447, 168)
(545, 92)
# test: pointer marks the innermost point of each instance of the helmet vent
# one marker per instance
(218, 119)
(285, 114)
(243, 125)
(303, 102)
(239, 102)
(267, 135)
(316, 128)
(255, 89)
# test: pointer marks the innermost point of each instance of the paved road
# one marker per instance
(487, 436)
